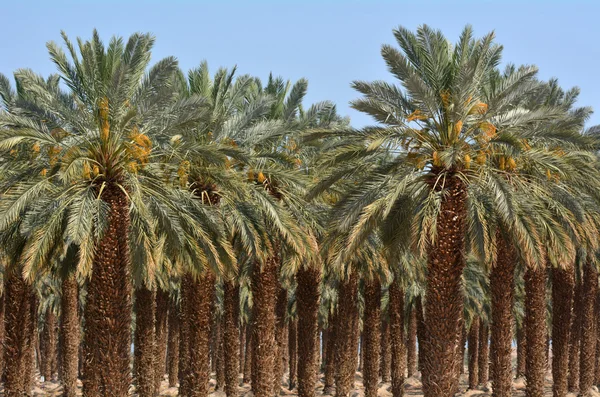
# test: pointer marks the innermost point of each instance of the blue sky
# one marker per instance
(330, 42)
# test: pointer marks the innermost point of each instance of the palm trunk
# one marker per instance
(521, 343)
(575, 338)
(2, 333)
(484, 353)
(161, 336)
(411, 344)
(264, 295)
(323, 345)
(144, 341)
(49, 339)
(231, 335)
(535, 327)
(372, 337)
(330, 364)
(280, 331)
(218, 356)
(587, 355)
(444, 303)
(421, 335)
(69, 331)
(173, 344)
(396, 313)
(187, 283)
(17, 335)
(107, 340)
(563, 283)
(597, 315)
(242, 346)
(502, 278)
(30, 351)
(346, 338)
(293, 353)
(307, 304)
(474, 354)
(386, 352)
(248, 354)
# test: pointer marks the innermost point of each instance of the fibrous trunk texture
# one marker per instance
(474, 354)
(264, 295)
(187, 283)
(411, 344)
(145, 316)
(307, 304)
(372, 336)
(31, 354)
(173, 344)
(18, 337)
(502, 277)
(484, 353)
(396, 314)
(444, 303)
(386, 352)
(2, 334)
(521, 343)
(587, 355)
(563, 284)
(248, 354)
(535, 327)
(421, 334)
(161, 337)
(218, 353)
(69, 332)
(107, 339)
(280, 334)
(231, 336)
(597, 315)
(330, 364)
(575, 339)
(346, 337)
(48, 345)
(293, 353)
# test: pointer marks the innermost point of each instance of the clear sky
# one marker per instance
(329, 42)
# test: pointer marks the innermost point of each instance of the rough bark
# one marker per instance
(346, 337)
(187, 283)
(396, 314)
(521, 343)
(484, 354)
(597, 314)
(293, 353)
(144, 341)
(30, 352)
(48, 345)
(280, 332)
(535, 327)
(307, 304)
(386, 352)
(563, 284)
(444, 303)
(264, 295)
(502, 277)
(330, 364)
(107, 340)
(587, 354)
(161, 336)
(473, 341)
(231, 335)
(372, 336)
(242, 347)
(69, 331)
(173, 344)
(421, 335)
(248, 354)
(2, 334)
(575, 339)
(323, 347)
(411, 344)
(218, 356)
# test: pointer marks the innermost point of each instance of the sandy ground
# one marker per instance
(412, 387)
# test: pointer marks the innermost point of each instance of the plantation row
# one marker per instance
(216, 223)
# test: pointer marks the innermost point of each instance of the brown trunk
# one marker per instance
(248, 354)
(330, 364)
(280, 331)
(187, 283)
(17, 335)
(293, 352)
(372, 336)
(49, 341)
(264, 295)
(346, 337)
(444, 303)
(69, 325)
(361, 352)
(30, 355)
(575, 339)
(587, 354)
(411, 344)
(521, 343)
(396, 313)
(563, 284)
(231, 335)
(107, 339)
(173, 344)
(307, 304)
(597, 314)
(474, 354)
(161, 336)
(386, 353)
(219, 353)
(502, 277)
(323, 346)
(535, 327)
(144, 341)
(484, 354)
(421, 335)
(2, 334)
